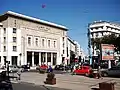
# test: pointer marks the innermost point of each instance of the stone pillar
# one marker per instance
(32, 58)
(2, 60)
(25, 58)
(52, 59)
(46, 58)
(40, 58)
(109, 63)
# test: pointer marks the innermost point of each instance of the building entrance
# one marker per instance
(29, 58)
(36, 58)
(14, 60)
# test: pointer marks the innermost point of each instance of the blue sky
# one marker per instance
(74, 14)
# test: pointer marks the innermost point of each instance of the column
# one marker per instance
(39, 58)
(25, 58)
(32, 58)
(2, 60)
(109, 63)
(46, 58)
(51, 59)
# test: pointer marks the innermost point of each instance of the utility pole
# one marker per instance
(89, 45)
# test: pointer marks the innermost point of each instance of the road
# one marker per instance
(65, 81)
(30, 86)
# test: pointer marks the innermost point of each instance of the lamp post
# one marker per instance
(20, 59)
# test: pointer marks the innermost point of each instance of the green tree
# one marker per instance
(108, 39)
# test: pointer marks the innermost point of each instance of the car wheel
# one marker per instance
(105, 74)
(73, 73)
(86, 74)
(11, 71)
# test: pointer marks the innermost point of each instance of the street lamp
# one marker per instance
(20, 59)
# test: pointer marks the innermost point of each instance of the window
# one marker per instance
(48, 57)
(43, 42)
(14, 48)
(54, 43)
(14, 39)
(48, 43)
(15, 23)
(4, 48)
(63, 39)
(36, 41)
(54, 58)
(63, 51)
(96, 34)
(14, 30)
(29, 40)
(4, 39)
(63, 45)
(4, 30)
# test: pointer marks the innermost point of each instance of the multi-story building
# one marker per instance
(25, 39)
(99, 29)
(77, 49)
(70, 50)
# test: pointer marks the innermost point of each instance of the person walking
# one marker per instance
(19, 74)
(99, 73)
(50, 69)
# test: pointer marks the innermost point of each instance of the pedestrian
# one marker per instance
(71, 68)
(19, 74)
(99, 73)
(50, 69)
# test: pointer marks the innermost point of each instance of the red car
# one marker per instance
(83, 70)
(44, 66)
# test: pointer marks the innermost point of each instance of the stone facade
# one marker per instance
(35, 41)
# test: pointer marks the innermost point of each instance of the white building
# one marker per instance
(77, 49)
(71, 47)
(25, 39)
(101, 28)
(79, 52)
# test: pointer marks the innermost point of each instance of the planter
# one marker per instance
(50, 79)
(106, 86)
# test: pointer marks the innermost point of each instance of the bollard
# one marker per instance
(106, 86)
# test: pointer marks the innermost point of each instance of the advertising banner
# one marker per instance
(107, 51)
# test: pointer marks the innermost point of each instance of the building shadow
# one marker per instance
(5, 83)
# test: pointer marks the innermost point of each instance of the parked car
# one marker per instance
(62, 67)
(25, 68)
(114, 71)
(13, 68)
(2, 70)
(59, 67)
(83, 70)
(43, 68)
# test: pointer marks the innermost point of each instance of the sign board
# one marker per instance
(107, 51)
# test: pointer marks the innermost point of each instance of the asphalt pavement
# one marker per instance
(65, 81)
(30, 86)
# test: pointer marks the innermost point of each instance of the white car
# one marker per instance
(13, 68)
(2, 70)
